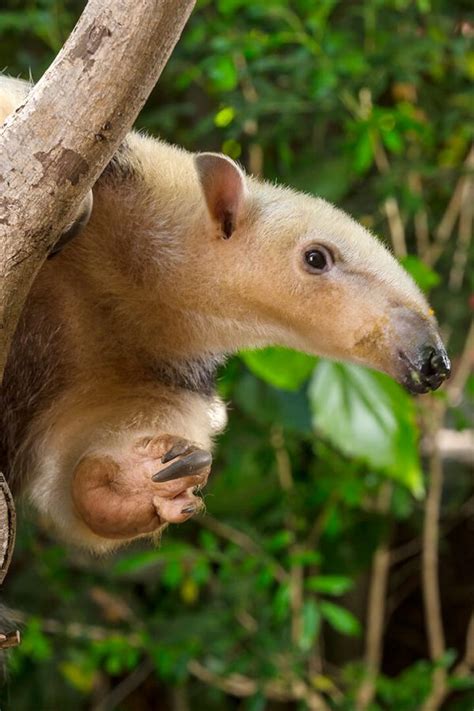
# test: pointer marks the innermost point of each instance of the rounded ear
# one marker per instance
(76, 226)
(223, 185)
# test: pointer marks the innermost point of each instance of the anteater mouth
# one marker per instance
(426, 376)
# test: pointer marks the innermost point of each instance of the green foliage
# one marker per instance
(425, 277)
(367, 415)
(280, 367)
(356, 102)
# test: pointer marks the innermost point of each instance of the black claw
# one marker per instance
(188, 510)
(193, 463)
(181, 447)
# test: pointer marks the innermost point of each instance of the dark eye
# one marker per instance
(318, 260)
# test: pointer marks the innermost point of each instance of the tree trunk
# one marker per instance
(53, 149)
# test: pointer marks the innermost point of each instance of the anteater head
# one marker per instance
(318, 281)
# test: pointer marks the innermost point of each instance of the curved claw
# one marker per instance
(191, 464)
(189, 510)
(182, 446)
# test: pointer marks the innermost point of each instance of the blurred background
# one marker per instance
(334, 568)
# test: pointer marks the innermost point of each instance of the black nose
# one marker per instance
(435, 366)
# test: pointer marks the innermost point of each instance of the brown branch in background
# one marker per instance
(464, 669)
(431, 594)
(242, 686)
(466, 213)
(464, 367)
(285, 477)
(180, 700)
(77, 630)
(127, 686)
(422, 230)
(250, 124)
(430, 573)
(451, 214)
(391, 206)
(466, 666)
(376, 610)
(291, 689)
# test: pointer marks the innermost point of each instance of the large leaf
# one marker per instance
(281, 367)
(368, 416)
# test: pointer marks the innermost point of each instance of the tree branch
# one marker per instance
(431, 592)
(376, 608)
(54, 148)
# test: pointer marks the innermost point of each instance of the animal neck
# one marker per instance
(163, 297)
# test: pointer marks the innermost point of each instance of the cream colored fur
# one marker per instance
(151, 277)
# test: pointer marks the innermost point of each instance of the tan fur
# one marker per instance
(151, 280)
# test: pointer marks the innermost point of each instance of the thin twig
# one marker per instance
(251, 124)
(422, 230)
(285, 477)
(77, 630)
(458, 267)
(431, 593)
(376, 610)
(464, 367)
(448, 221)
(124, 688)
(243, 686)
(391, 207)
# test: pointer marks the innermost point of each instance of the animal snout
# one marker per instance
(427, 369)
(435, 366)
(423, 363)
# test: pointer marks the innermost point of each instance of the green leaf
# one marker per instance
(80, 677)
(223, 73)
(311, 622)
(331, 181)
(280, 367)
(341, 619)
(363, 151)
(35, 644)
(173, 574)
(329, 584)
(281, 539)
(136, 562)
(224, 117)
(461, 683)
(425, 277)
(281, 603)
(368, 416)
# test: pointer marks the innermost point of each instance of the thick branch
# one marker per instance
(56, 146)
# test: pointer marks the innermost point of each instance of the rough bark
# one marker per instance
(56, 145)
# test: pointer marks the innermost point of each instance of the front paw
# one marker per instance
(137, 491)
(178, 482)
